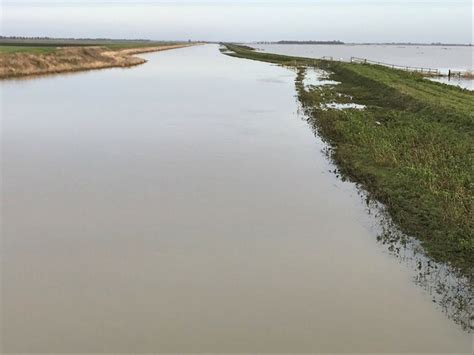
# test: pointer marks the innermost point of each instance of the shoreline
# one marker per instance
(428, 70)
(73, 59)
(400, 137)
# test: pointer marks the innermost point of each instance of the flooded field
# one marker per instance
(461, 82)
(186, 206)
(443, 58)
(436, 57)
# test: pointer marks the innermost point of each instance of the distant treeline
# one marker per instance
(368, 43)
(23, 38)
(20, 41)
(418, 44)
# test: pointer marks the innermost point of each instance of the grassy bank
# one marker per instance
(410, 148)
(39, 58)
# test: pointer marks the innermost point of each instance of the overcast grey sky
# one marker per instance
(243, 20)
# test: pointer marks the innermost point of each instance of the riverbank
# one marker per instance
(27, 61)
(192, 183)
(410, 146)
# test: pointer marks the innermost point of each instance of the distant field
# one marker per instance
(24, 58)
(7, 49)
(41, 46)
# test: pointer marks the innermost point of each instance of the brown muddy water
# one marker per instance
(186, 206)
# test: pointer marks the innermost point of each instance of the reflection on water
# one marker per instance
(447, 286)
(452, 291)
(183, 206)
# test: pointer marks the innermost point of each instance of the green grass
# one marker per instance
(128, 45)
(411, 148)
(7, 49)
(42, 47)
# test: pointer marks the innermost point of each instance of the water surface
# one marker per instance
(443, 58)
(185, 206)
(436, 57)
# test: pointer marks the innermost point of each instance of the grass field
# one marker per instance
(41, 47)
(411, 148)
(8, 49)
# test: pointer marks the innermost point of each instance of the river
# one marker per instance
(185, 205)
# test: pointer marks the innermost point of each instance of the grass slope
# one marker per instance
(46, 58)
(411, 148)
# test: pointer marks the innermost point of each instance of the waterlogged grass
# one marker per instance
(411, 148)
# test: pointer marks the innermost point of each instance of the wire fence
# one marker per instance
(429, 71)
(422, 70)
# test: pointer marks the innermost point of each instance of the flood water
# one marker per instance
(443, 58)
(458, 58)
(185, 206)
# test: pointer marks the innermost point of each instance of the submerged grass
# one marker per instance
(411, 148)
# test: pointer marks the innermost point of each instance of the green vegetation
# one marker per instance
(7, 49)
(45, 56)
(49, 46)
(130, 45)
(411, 148)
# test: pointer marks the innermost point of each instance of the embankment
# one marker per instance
(411, 147)
(71, 59)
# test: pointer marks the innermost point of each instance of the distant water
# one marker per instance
(458, 58)
(444, 58)
(461, 82)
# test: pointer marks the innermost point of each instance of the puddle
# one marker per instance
(314, 78)
(342, 106)
(317, 77)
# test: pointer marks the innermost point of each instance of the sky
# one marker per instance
(447, 21)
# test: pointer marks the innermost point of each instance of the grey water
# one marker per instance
(443, 58)
(186, 206)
